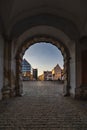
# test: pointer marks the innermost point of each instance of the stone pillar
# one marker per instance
(19, 85)
(13, 69)
(1, 64)
(6, 84)
(66, 88)
(72, 67)
(81, 88)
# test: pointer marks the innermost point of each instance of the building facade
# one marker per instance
(48, 75)
(41, 77)
(35, 74)
(56, 72)
(26, 70)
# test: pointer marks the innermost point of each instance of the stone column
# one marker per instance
(66, 89)
(6, 84)
(19, 85)
(72, 67)
(13, 69)
(1, 64)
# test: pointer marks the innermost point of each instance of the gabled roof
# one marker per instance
(57, 66)
(25, 62)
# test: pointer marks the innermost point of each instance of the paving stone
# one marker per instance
(43, 111)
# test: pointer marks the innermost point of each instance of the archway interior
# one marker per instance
(59, 46)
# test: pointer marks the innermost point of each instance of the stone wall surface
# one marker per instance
(80, 90)
(71, 45)
(1, 64)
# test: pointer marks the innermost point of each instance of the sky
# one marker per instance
(43, 56)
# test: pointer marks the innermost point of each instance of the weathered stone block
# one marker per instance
(81, 92)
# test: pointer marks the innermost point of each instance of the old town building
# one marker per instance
(56, 72)
(48, 75)
(41, 77)
(35, 74)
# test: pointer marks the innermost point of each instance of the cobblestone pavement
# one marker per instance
(43, 108)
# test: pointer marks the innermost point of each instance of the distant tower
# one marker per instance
(35, 74)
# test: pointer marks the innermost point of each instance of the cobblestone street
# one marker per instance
(42, 107)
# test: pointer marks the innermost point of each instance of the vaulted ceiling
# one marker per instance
(70, 16)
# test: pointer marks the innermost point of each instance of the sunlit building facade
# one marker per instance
(56, 72)
(48, 75)
(41, 77)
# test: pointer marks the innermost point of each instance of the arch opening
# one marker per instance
(66, 56)
(43, 56)
(42, 70)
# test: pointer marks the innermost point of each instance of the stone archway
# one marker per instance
(14, 54)
(21, 50)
